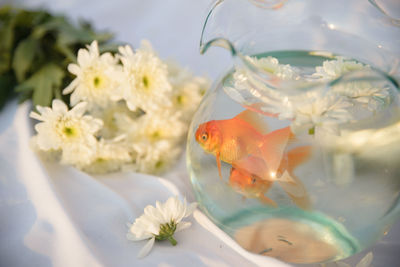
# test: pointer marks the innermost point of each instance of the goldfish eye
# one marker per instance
(253, 180)
(204, 137)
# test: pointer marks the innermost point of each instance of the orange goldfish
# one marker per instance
(242, 142)
(253, 186)
(235, 139)
(250, 186)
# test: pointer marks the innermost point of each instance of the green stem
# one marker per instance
(172, 240)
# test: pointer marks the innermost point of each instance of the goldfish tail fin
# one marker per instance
(295, 190)
(297, 156)
(218, 165)
(267, 201)
(273, 147)
(254, 119)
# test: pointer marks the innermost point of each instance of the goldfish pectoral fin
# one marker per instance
(267, 200)
(254, 119)
(251, 165)
(292, 185)
(219, 165)
(295, 190)
(273, 148)
(297, 156)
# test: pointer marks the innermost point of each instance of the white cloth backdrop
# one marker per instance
(52, 215)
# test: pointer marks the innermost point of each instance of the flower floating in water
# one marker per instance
(332, 69)
(138, 110)
(353, 87)
(272, 65)
(160, 223)
(70, 131)
(325, 113)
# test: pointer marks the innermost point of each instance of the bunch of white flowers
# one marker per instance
(312, 111)
(129, 111)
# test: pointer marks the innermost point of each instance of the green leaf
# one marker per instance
(52, 24)
(23, 57)
(43, 83)
(6, 41)
(7, 83)
(66, 51)
(35, 50)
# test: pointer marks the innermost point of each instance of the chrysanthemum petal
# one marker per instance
(133, 237)
(35, 116)
(182, 226)
(190, 208)
(147, 248)
(83, 57)
(59, 106)
(71, 87)
(74, 69)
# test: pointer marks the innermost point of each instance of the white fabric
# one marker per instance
(52, 215)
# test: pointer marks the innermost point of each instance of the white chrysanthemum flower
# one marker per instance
(97, 77)
(246, 87)
(67, 130)
(110, 157)
(146, 84)
(188, 90)
(332, 69)
(364, 93)
(117, 119)
(326, 112)
(154, 158)
(160, 223)
(153, 127)
(359, 91)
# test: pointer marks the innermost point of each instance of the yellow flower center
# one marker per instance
(97, 81)
(180, 99)
(145, 81)
(159, 164)
(156, 135)
(69, 131)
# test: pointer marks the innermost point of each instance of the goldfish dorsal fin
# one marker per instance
(254, 119)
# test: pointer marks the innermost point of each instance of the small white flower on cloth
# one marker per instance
(160, 223)
(68, 130)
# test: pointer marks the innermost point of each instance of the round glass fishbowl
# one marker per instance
(295, 150)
